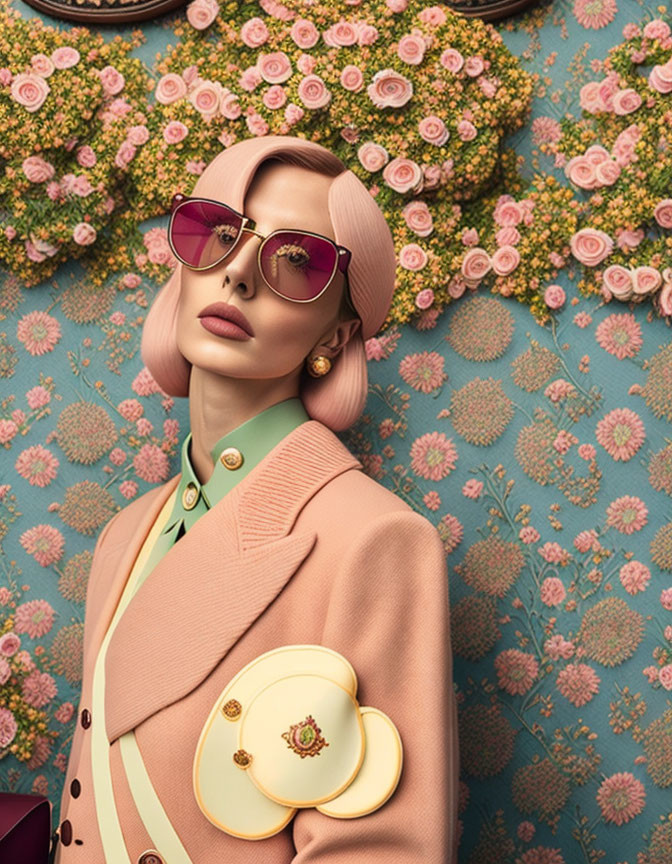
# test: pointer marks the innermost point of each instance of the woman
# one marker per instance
(271, 536)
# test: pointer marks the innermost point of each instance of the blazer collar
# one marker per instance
(211, 585)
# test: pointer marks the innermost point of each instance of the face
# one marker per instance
(283, 333)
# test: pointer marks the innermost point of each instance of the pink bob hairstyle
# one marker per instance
(337, 399)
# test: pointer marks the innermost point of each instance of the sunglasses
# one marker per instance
(296, 265)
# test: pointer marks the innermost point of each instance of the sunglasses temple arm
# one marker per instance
(344, 260)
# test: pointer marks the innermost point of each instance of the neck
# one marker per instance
(218, 405)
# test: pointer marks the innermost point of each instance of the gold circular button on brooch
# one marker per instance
(151, 856)
(231, 458)
(232, 709)
(190, 496)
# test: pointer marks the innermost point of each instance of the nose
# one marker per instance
(240, 267)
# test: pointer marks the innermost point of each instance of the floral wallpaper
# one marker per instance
(540, 446)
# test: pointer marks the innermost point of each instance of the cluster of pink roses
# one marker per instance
(607, 96)
(625, 283)
(158, 248)
(201, 13)
(30, 88)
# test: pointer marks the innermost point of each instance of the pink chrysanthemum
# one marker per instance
(634, 576)
(38, 688)
(620, 335)
(144, 384)
(578, 683)
(552, 591)
(35, 617)
(545, 130)
(433, 456)
(627, 514)
(472, 488)
(583, 320)
(595, 14)
(38, 397)
(151, 463)
(423, 372)
(37, 465)
(44, 543)
(557, 647)
(39, 332)
(586, 540)
(516, 671)
(621, 433)
(528, 534)
(432, 500)
(130, 409)
(451, 532)
(8, 727)
(621, 797)
(554, 553)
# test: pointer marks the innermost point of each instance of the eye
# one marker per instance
(225, 233)
(295, 255)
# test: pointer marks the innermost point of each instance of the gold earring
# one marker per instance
(319, 366)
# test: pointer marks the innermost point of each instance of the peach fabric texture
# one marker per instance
(305, 549)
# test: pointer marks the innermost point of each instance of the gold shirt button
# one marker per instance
(190, 496)
(231, 458)
(151, 856)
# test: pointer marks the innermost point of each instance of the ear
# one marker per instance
(333, 342)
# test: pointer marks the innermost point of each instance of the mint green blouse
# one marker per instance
(246, 445)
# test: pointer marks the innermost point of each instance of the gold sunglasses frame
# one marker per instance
(180, 200)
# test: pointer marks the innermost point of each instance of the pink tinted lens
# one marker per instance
(202, 232)
(298, 265)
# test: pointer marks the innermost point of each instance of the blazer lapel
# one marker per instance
(216, 581)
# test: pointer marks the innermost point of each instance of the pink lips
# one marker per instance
(226, 320)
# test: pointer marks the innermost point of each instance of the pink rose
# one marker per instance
(397, 5)
(665, 299)
(403, 175)
(476, 264)
(628, 239)
(372, 156)
(412, 257)
(304, 33)
(10, 232)
(254, 33)
(452, 60)
(508, 236)
(608, 172)
(473, 66)
(175, 132)
(466, 130)
(352, 78)
(591, 246)
(124, 154)
(626, 101)
(582, 172)
(389, 89)
(431, 176)
(275, 97)
(456, 287)
(424, 298)
(29, 90)
(589, 97)
(256, 124)
(189, 74)
(65, 57)
(312, 91)
(488, 87)
(660, 77)
(10, 643)
(645, 280)
(619, 281)
(411, 49)
(170, 88)
(306, 64)
(665, 676)
(84, 234)
(469, 237)
(201, 13)
(508, 213)
(42, 65)
(418, 218)
(341, 34)
(81, 186)
(663, 213)
(293, 113)
(138, 135)
(432, 15)
(596, 154)
(112, 81)
(433, 130)
(37, 170)
(554, 296)
(367, 33)
(505, 260)
(86, 157)
(657, 29)
(274, 68)
(249, 79)
(205, 98)
(229, 105)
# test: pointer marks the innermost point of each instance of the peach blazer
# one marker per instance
(305, 549)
